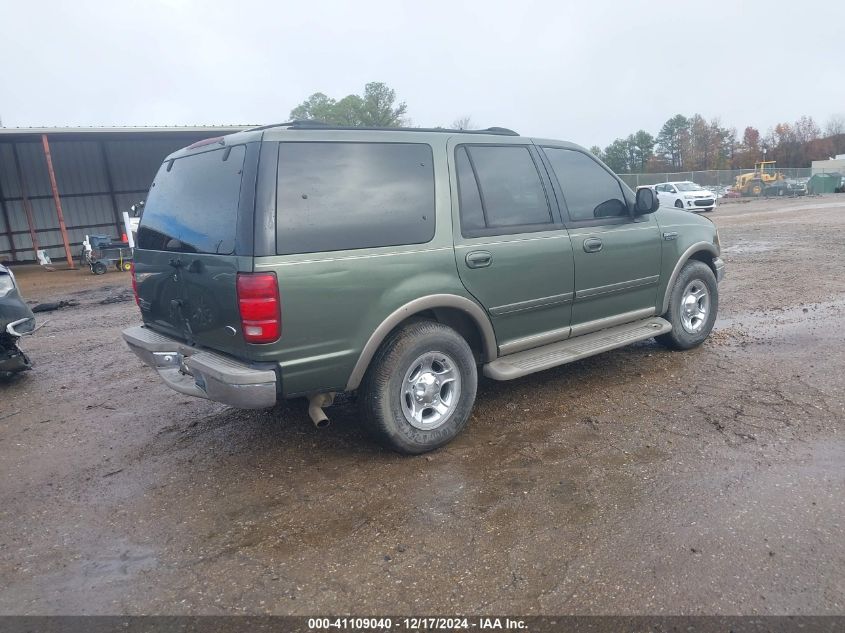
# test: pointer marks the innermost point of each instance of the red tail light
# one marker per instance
(134, 283)
(260, 307)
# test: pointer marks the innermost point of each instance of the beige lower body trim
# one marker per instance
(535, 340)
(553, 336)
(616, 319)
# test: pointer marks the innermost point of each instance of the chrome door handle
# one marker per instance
(592, 245)
(479, 259)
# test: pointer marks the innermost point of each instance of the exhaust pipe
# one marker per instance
(315, 408)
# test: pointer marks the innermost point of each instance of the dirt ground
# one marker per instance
(640, 481)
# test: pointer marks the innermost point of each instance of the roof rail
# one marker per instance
(500, 130)
(320, 125)
(294, 123)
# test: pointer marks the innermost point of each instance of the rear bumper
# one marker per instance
(719, 265)
(203, 373)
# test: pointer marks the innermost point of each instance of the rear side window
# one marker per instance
(338, 196)
(192, 206)
(472, 213)
(500, 190)
(591, 193)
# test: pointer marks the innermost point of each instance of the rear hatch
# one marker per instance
(190, 247)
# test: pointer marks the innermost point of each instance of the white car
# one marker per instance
(685, 195)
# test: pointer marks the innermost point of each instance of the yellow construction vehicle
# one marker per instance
(763, 178)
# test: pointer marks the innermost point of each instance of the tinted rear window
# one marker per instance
(471, 209)
(338, 196)
(193, 206)
(500, 191)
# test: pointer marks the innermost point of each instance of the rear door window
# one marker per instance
(500, 191)
(339, 196)
(472, 212)
(192, 206)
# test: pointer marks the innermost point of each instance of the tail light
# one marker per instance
(260, 307)
(134, 283)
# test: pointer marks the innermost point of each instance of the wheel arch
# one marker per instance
(704, 252)
(462, 314)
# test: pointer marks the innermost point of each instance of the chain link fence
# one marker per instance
(709, 178)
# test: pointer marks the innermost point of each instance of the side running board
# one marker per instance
(554, 354)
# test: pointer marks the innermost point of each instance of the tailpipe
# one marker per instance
(315, 408)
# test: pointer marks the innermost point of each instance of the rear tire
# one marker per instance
(98, 268)
(693, 305)
(419, 389)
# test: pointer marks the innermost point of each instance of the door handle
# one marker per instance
(479, 259)
(592, 245)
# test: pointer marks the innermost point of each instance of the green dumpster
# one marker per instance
(824, 183)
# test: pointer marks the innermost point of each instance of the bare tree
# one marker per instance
(463, 123)
(835, 125)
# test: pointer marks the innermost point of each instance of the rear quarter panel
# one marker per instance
(331, 307)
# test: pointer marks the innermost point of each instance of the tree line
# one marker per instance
(376, 107)
(682, 144)
(695, 144)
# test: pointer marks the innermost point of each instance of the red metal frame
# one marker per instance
(57, 200)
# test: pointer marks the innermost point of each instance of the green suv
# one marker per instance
(302, 260)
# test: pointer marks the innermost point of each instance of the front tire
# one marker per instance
(418, 392)
(692, 307)
(679, 204)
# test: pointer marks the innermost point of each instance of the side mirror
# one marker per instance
(647, 201)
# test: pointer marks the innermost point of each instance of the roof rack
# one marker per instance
(320, 125)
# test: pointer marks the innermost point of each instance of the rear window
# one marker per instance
(338, 196)
(193, 204)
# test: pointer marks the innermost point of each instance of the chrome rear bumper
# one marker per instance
(203, 373)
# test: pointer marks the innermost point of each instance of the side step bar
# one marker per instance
(554, 354)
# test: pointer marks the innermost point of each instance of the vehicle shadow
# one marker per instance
(286, 432)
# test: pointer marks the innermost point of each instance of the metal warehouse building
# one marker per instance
(59, 184)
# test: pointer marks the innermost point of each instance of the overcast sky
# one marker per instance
(585, 71)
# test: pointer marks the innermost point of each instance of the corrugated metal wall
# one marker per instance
(97, 181)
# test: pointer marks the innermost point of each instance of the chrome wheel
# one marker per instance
(695, 306)
(430, 390)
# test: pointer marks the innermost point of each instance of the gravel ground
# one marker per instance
(640, 481)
